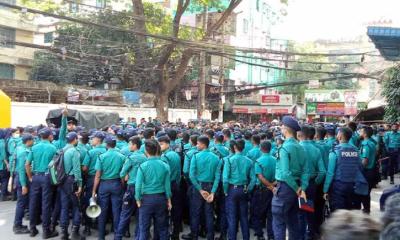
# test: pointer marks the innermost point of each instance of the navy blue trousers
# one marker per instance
(285, 209)
(129, 208)
(40, 189)
(153, 207)
(176, 211)
(342, 196)
(3, 182)
(110, 191)
(199, 205)
(262, 198)
(69, 201)
(237, 209)
(22, 203)
(87, 194)
(307, 220)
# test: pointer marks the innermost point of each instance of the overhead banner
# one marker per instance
(350, 103)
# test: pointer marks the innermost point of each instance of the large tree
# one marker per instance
(391, 92)
(167, 76)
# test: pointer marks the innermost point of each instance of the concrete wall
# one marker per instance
(23, 113)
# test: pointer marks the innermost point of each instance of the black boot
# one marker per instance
(64, 234)
(75, 234)
(188, 236)
(49, 234)
(33, 232)
(20, 230)
(86, 231)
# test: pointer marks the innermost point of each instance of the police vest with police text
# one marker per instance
(347, 164)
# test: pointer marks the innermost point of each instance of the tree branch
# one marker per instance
(180, 71)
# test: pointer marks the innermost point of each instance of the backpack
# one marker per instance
(56, 168)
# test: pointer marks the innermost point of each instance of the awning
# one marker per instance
(387, 41)
(371, 115)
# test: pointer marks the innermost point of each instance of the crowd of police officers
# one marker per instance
(216, 177)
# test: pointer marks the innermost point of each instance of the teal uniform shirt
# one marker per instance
(83, 150)
(355, 139)
(254, 153)
(62, 141)
(72, 163)
(238, 170)
(187, 146)
(121, 144)
(188, 158)
(131, 166)
(324, 148)
(290, 165)
(331, 142)
(212, 143)
(368, 150)
(41, 155)
(2, 154)
(220, 150)
(91, 158)
(227, 144)
(265, 166)
(142, 148)
(315, 165)
(153, 177)
(13, 144)
(21, 156)
(247, 147)
(110, 164)
(174, 161)
(332, 167)
(205, 167)
(126, 151)
(392, 140)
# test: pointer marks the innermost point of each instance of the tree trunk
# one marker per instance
(161, 103)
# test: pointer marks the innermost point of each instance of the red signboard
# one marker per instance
(332, 109)
(240, 110)
(259, 111)
(270, 99)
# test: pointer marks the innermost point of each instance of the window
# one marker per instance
(101, 3)
(7, 36)
(245, 25)
(48, 37)
(7, 71)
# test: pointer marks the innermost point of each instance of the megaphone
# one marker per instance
(93, 211)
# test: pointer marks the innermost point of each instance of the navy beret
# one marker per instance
(110, 139)
(290, 122)
(71, 136)
(45, 132)
(161, 134)
(26, 137)
(98, 134)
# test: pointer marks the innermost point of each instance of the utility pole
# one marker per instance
(202, 73)
(221, 78)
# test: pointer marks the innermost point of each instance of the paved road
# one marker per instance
(7, 210)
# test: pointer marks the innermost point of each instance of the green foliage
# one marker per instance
(43, 5)
(391, 92)
(197, 6)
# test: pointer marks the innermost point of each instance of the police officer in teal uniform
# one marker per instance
(227, 137)
(368, 158)
(130, 169)
(121, 141)
(355, 138)
(264, 169)
(344, 166)
(21, 183)
(153, 193)
(3, 166)
(316, 171)
(238, 180)
(255, 152)
(291, 175)
(40, 188)
(174, 162)
(205, 174)
(222, 152)
(248, 145)
(71, 188)
(392, 142)
(109, 184)
(83, 145)
(88, 167)
(331, 140)
(148, 134)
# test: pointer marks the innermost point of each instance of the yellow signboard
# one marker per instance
(5, 110)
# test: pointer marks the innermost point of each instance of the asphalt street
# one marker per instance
(7, 211)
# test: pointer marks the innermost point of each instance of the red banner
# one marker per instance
(270, 99)
(279, 111)
(259, 110)
(333, 109)
(240, 110)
